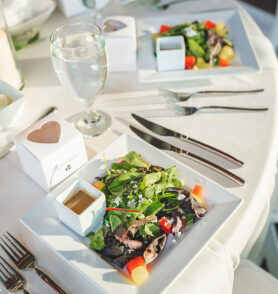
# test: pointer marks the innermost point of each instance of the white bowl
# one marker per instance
(34, 22)
(88, 220)
(12, 112)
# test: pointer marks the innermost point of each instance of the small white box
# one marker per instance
(170, 53)
(121, 45)
(91, 218)
(50, 150)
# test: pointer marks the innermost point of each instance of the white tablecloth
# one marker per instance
(251, 137)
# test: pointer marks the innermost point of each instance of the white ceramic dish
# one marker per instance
(245, 60)
(170, 53)
(12, 112)
(43, 222)
(34, 22)
(91, 218)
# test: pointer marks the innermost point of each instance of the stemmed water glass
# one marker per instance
(79, 60)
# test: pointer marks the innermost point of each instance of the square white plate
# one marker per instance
(43, 222)
(244, 62)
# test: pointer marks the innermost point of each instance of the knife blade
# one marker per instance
(7, 147)
(163, 131)
(160, 144)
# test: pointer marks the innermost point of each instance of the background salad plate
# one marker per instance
(244, 62)
(42, 220)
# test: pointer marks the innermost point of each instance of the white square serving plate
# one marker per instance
(245, 60)
(42, 220)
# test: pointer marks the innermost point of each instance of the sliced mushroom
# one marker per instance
(132, 244)
(132, 230)
(154, 248)
(215, 51)
(177, 225)
(191, 206)
(197, 207)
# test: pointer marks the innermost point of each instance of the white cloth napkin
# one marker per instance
(17, 11)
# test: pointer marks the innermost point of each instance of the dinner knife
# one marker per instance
(7, 147)
(166, 146)
(162, 131)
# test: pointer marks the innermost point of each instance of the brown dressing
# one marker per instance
(79, 201)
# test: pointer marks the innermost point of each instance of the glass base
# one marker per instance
(92, 129)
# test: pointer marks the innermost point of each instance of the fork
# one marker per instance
(191, 110)
(10, 278)
(184, 96)
(25, 260)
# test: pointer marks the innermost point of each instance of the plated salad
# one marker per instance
(206, 43)
(146, 205)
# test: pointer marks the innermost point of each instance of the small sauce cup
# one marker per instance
(90, 219)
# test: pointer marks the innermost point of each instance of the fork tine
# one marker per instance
(164, 92)
(6, 277)
(7, 251)
(17, 242)
(10, 267)
(7, 271)
(15, 246)
(1, 279)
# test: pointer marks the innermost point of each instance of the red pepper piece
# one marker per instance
(164, 29)
(209, 25)
(165, 225)
(190, 62)
(224, 62)
(134, 263)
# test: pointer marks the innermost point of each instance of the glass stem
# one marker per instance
(91, 115)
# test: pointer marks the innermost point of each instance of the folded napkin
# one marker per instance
(214, 266)
(18, 11)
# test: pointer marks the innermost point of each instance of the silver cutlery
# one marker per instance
(184, 96)
(166, 146)
(7, 147)
(25, 260)
(162, 131)
(186, 110)
(10, 278)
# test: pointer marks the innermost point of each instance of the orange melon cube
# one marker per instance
(99, 185)
(139, 275)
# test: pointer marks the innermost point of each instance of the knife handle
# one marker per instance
(212, 150)
(213, 166)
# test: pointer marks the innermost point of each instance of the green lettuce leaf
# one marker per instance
(97, 240)
(134, 159)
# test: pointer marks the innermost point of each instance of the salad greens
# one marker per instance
(145, 204)
(206, 43)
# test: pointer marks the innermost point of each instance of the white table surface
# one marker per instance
(251, 137)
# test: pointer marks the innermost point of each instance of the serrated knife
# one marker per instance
(166, 146)
(162, 131)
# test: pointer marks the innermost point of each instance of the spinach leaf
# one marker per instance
(195, 48)
(134, 159)
(150, 179)
(121, 180)
(97, 240)
(114, 222)
(152, 229)
(142, 232)
(189, 218)
(154, 208)
(121, 165)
